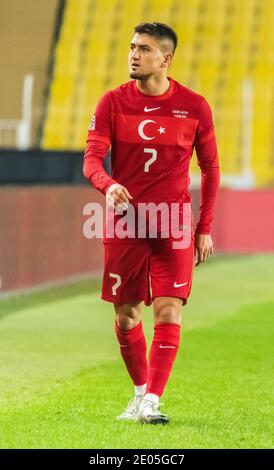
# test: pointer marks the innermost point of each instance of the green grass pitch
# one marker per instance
(63, 381)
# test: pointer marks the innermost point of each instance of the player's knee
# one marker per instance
(127, 316)
(167, 313)
(126, 322)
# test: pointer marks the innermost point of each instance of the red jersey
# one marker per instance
(152, 139)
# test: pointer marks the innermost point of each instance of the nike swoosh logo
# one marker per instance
(146, 109)
(180, 285)
(162, 347)
(122, 346)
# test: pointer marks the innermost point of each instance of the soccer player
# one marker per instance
(153, 123)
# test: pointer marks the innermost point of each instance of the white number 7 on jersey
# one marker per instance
(117, 284)
(152, 159)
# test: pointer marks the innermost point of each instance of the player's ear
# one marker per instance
(167, 60)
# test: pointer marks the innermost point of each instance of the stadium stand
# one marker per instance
(225, 53)
(27, 30)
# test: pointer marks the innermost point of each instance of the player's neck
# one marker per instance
(153, 86)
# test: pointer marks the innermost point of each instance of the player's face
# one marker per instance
(145, 57)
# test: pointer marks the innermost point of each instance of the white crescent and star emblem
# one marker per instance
(141, 126)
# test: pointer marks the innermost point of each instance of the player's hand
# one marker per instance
(203, 248)
(118, 197)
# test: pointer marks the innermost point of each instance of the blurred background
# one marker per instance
(57, 57)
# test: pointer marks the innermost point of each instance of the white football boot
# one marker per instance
(149, 413)
(132, 410)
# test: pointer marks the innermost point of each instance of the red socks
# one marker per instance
(162, 355)
(133, 349)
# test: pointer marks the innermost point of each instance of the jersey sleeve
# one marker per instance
(100, 128)
(208, 161)
(205, 128)
(98, 143)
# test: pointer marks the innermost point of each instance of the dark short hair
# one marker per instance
(158, 30)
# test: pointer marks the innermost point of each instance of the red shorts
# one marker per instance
(147, 269)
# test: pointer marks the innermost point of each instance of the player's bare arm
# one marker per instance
(203, 248)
